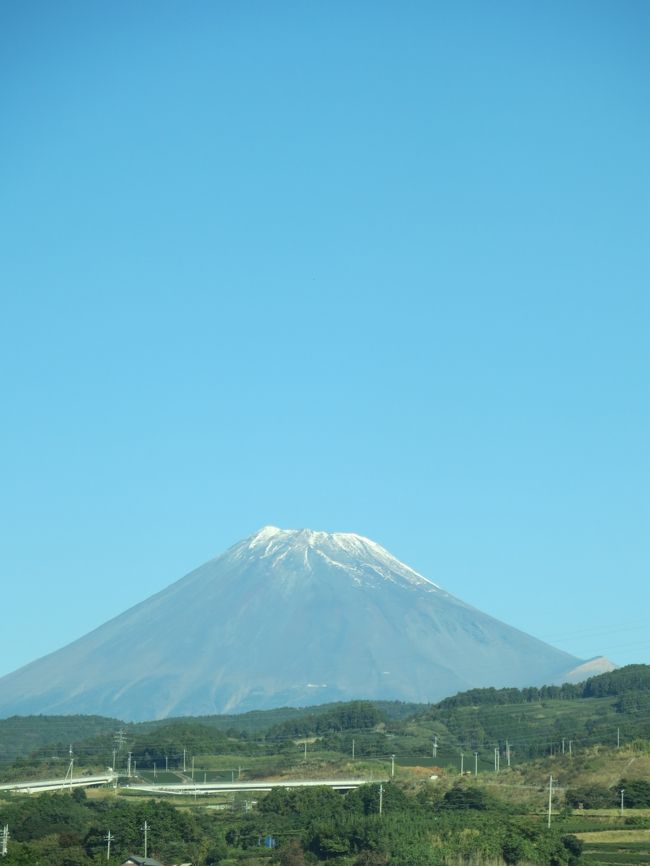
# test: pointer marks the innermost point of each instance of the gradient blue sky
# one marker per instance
(361, 266)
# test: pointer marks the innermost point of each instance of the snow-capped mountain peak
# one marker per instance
(339, 549)
(277, 615)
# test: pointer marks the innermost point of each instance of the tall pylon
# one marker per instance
(120, 739)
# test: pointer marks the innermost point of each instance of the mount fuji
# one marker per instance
(285, 617)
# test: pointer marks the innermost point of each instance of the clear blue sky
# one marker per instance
(375, 267)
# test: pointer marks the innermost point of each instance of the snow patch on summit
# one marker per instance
(353, 553)
(328, 559)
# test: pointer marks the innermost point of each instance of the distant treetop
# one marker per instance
(626, 679)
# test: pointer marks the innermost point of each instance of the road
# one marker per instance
(221, 787)
(195, 790)
(36, 785)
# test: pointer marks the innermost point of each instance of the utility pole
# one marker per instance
(562, 745)
(476, 763)
(497, 760)
(192, 767)
(435, 747)
(622, 800)
(114, 755)
(550, 800)
(381, 798)
(184, 750)
(70, 766)
(5, 839)
(109, 838)
(154, 771)
(570, 749)
(508, 752)
(145, 827)
(462, 758)
(392, 766)
(166, 763)
(128, 765)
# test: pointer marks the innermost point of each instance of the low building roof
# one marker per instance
(141, 861)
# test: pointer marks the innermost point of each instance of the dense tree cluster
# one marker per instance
(618, 682)
(355, 715)
(637, 793)
(626, 679)
(64, 830)
(20, 735)
(492, 696)
(168, 743)
(290, 827)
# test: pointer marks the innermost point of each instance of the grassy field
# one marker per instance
(619, 852)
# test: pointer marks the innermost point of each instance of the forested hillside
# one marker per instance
(528, 722)
(22, 734)
(468, 779)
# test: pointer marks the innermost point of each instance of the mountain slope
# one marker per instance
(285, 617)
